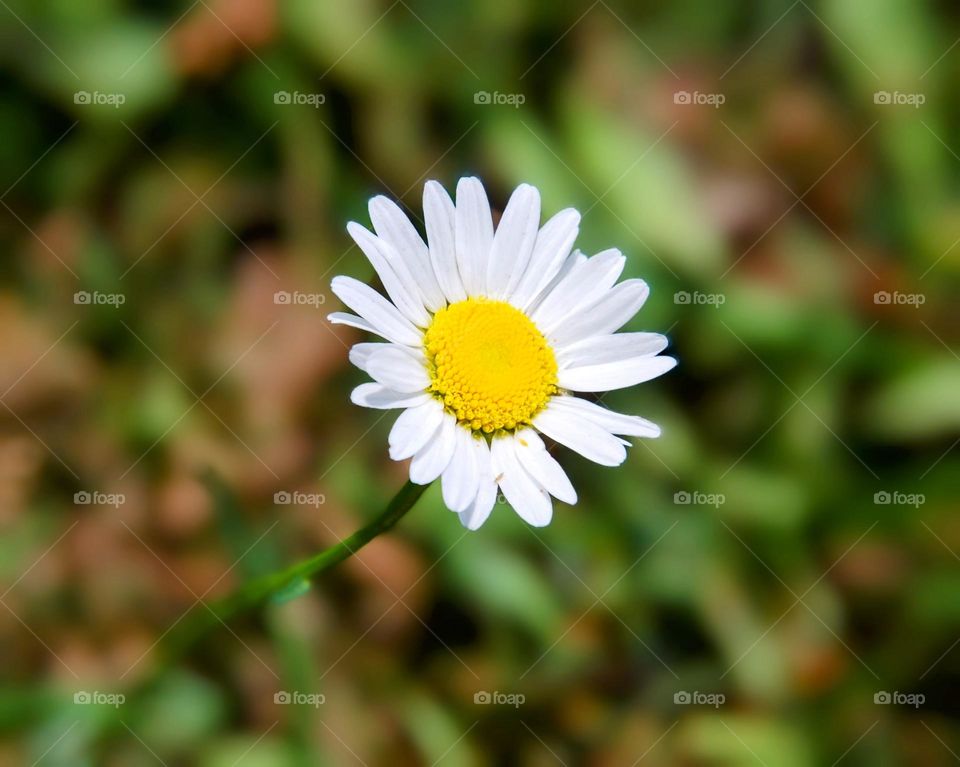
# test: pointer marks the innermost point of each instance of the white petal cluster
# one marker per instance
(574, 301)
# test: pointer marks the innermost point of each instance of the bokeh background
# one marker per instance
(775, 581)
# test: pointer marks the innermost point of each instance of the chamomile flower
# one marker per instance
(488, 336)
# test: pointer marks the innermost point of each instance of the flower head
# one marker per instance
(487, 334)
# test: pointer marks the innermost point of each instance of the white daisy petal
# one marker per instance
(615, 423)
(614, 375)
(414, 428)
(430, 462)
(461, 479)
(513, 242)
(353, 321)
(606, 315)
(528, 498)
(380, 397)
(399, 369)
(600, 349)
(394, 274)
(474, 235)
(477, 512)
(393, 226)
(439, 216)
(542, 466)
(569, 263)
(375, 309)
(585, 283)
(552, 247)
(360, 354)
(580, 434)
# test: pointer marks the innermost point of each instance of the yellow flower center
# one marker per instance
(489, 364)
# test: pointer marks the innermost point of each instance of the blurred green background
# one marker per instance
(775, 581)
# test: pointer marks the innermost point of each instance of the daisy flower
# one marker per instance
(487, 335)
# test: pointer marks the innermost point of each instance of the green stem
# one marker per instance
(258, 591)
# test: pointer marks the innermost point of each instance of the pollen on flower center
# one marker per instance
(489, 364)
